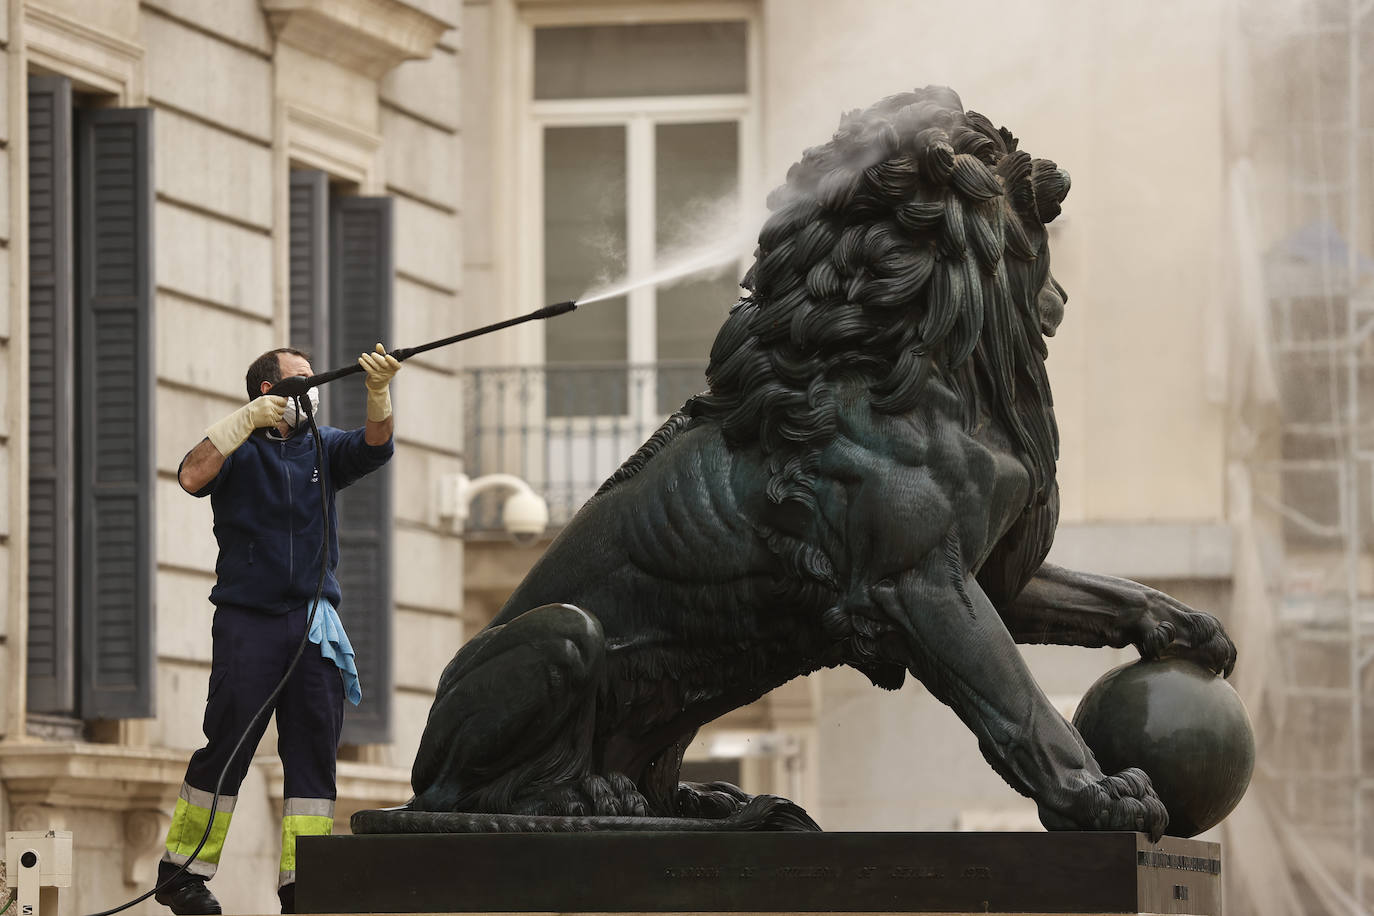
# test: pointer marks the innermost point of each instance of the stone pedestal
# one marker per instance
(758, 873)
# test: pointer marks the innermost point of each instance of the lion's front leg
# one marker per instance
(959, 648)
(1065, 607)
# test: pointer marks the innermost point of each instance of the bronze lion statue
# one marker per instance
(869, 480)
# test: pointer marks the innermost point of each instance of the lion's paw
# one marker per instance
(1125, 801)
(710, 799)
(1193, 635)
(736, 809)
(592, 795)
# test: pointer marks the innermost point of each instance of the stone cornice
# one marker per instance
(112, 777)
(93, 58)
(108, 777)
(366, 36)
(326, 143)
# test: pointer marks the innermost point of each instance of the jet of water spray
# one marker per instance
(675, 269)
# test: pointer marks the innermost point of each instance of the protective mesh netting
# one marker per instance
(1297, 380)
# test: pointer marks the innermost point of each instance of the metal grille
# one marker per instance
(564, 428)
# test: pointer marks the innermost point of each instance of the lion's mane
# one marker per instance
(909, 247)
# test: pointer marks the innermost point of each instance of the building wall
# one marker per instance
(236, 107)
(420, 125)
(215, 264)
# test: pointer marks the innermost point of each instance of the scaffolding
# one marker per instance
(1316, 143)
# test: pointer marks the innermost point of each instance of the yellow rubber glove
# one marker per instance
(380, 368)
(229, 433)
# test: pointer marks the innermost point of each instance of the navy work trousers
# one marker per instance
(251, 653)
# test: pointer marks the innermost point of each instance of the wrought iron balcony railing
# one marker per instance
(564, 428)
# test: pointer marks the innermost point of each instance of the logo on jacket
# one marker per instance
(314, 475)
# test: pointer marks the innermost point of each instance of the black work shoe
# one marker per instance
(190, 899)
(287, 895)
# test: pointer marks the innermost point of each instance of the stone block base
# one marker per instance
(758, 873)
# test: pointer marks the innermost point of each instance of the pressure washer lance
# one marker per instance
(300, 384)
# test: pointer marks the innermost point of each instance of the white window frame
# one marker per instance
(639, 116)
(307, 139)
(639, 122)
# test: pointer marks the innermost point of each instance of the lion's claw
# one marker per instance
(714, 799)
(1196, 636)
(1157, 640)
(1126, 801)
(610, 795)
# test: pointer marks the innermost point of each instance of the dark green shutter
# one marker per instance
(341, 278)
(115, 389)
(51, 425)
(360, 290)
(309, 268)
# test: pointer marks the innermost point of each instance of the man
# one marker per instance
(259, 467)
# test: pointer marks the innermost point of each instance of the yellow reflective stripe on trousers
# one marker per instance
(294, 825)
(184, 833)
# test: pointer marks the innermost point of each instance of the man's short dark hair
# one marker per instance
(267, 368)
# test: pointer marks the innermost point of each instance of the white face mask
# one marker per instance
(293, 417)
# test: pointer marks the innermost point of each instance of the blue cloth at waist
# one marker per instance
(327, 632)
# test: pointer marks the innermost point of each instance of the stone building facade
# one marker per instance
(267, 173)
(487, 157)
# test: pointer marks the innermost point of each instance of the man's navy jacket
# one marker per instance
(268, 523)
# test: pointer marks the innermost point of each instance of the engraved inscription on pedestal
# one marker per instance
(1059, 872)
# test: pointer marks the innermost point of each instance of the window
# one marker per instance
(90, 650)
(341, 282)
(646, 59)
(642, 130)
